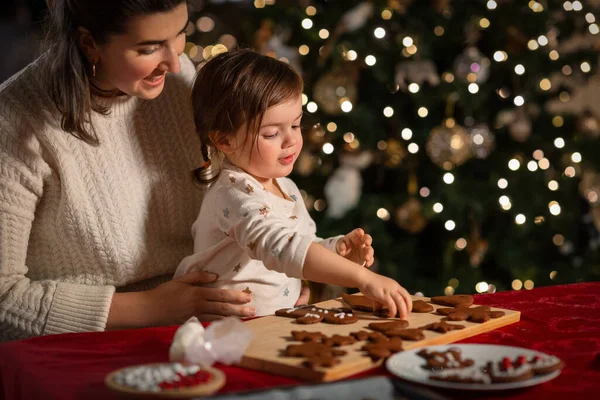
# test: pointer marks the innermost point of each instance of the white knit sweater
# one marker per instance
(78, 221)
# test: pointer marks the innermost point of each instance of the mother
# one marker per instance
(97, 146)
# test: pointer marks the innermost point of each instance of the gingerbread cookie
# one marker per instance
(295, 312)
(383, 348)
(321, 361)
(442, 327)
(340, 318)
(457, 300)
(474, 314)
(306, 336)
(360, 335)
(420, 306)
(309, 318)
(406, 334)
(465, 375)
(339, 340)
(545, 364)
(508, 370)
(310, 349)
(386, 326)
(442, 360)
(358, 302)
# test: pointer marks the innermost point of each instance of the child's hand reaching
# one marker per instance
(388, 293)
(356, 247)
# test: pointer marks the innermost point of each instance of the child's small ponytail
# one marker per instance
(205, 174)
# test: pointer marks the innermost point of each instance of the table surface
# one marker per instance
(562, 320)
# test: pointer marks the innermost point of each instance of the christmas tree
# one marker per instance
(451, 131)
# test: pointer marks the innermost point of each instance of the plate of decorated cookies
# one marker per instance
(475, 366)
(166, 380)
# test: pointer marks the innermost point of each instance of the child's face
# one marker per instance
(277, 146)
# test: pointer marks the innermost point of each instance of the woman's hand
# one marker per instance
(175, 301)
(356, 246)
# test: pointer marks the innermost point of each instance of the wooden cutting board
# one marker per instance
(272, 335)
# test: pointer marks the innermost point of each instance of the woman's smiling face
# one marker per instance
(136, 62)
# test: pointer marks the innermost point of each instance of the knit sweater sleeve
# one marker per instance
(244, 213)
(30, 308)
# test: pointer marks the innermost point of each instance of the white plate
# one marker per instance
(407, 365)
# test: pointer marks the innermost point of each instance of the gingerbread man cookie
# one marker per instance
(442, 360)
(474, 314)
(457, 300)
(383, 348)
(339, 340)
(442, 327)
(306, 336)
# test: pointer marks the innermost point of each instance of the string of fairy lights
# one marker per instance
(473, 76)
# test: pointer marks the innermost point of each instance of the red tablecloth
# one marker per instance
(561, 320)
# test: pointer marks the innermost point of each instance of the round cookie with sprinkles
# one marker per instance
(166, 380)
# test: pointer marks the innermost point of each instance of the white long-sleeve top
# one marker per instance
(254, 240)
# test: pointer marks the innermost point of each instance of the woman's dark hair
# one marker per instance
(69, 86)
(235, 88)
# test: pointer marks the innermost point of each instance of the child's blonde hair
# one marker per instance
(235, 88)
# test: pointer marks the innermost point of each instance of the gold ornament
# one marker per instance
(589, 125)
(409, 216)
(482, 140)
(589, 186)
(394, 153)
(305, 164)
(316, 134)
(520, 128)
(472, 66)
(335, 87)
(449, 145)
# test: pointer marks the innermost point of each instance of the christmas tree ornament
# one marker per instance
(589, 125)
(520, 128)
(316, 134)
(449, 145)
(305, 164)
(350, 21)
(589, 186)
(482, 140)
(344, 187)
(336, 86)
(409, 216)
(399, 6)
(472, 66)
(417, 72)
(394, 153)
(476, 245)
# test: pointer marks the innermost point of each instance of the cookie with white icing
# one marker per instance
(340, 318)
(507, 370)
(465, 375)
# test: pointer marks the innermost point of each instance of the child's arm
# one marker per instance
(324, 266)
